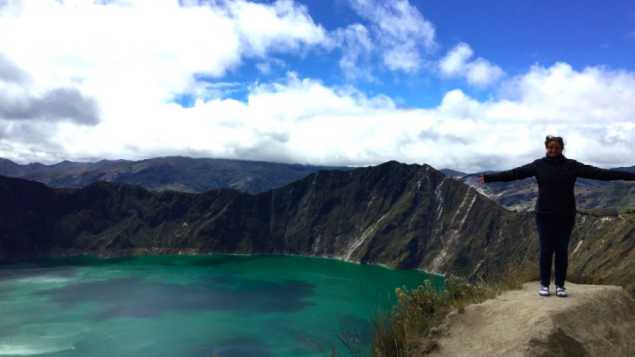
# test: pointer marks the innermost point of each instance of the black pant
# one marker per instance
(554, 231)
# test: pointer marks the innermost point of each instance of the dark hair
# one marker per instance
(558, 139)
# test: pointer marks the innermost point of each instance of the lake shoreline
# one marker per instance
(140, 252)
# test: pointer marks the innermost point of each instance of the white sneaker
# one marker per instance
(561, 291)
(544, 290)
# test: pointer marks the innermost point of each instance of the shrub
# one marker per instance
(415, 321)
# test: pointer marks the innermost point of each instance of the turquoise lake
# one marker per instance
(222, 305)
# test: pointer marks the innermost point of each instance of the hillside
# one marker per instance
(400, 215)
(594, 320)
(197, 175)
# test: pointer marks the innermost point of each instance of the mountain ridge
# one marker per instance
(180, 173)
(394, 214)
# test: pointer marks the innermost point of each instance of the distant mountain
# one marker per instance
(453, 173)
(167, 173)
(407, 216)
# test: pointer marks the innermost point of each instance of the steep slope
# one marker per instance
(408, 216)
(404, 215)
(166, 173)
(594, 320)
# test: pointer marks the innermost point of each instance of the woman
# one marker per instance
(555, 208)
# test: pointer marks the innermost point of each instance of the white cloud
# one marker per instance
(132, 70)
(10, 72)
(479, 72)
(19, 102)
(357, 48)
(454, 62)
(284, 25)
(401, 31)
(128, 52)
(303, 120)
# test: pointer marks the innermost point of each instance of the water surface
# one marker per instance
(226, 305)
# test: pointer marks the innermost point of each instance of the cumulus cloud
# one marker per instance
(590, 108)
(454, 62)
(560, 94)
(56, 104)
(9, 71)
(303, 120)
(400, 30)
(130, 57)
(478, 72)
(283, 25)
(155, 47)
(133, 70)
(18, 103)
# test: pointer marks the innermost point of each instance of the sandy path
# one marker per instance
(594, 320)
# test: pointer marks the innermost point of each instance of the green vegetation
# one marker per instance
(411, 327)
(627, 211)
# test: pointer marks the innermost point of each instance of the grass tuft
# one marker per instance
(415, 322)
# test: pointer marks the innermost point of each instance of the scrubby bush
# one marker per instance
(411, 327)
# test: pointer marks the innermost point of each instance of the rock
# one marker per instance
(594, 320)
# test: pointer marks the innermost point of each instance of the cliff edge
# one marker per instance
(594, 320)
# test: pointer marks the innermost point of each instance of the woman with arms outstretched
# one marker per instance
(555, 207)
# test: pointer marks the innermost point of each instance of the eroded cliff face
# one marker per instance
(400, 215)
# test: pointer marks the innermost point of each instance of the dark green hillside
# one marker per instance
(409, 216)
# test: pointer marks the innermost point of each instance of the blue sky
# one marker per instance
(461, 84)
(582, 33)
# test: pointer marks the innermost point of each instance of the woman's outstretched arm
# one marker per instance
(596, 173)
(517, 173)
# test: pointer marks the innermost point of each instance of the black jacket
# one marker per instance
(556, 177)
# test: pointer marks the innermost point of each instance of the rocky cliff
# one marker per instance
(408, 216)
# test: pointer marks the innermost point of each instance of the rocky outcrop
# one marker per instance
(594, 320)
